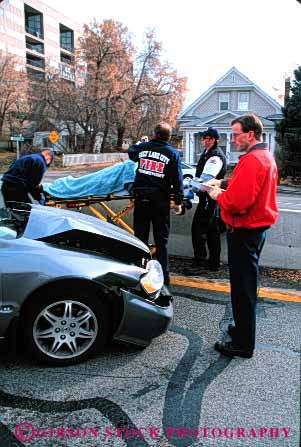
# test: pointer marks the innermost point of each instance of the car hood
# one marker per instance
(77, 230)
(44, 222)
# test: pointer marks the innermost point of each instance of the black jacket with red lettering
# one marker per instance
(159, 168)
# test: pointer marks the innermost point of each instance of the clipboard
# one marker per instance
(208, 188)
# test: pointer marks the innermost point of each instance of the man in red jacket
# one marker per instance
(248, 207)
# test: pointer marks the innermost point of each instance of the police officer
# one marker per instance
(206, 224)
(159, 172)
(24, 176)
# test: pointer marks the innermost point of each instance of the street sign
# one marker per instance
(53, 136)
(17, 138)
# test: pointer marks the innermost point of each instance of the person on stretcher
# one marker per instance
(106, 181)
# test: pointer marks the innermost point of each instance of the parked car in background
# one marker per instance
(69, 283)
(188, 171)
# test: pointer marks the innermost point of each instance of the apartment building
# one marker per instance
(39, 36)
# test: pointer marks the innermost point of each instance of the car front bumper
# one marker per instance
(143, 320)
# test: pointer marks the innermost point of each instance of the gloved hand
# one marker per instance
(177, 209)
(195, 186)
(42, 201)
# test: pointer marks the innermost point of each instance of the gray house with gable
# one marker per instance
(232, 95)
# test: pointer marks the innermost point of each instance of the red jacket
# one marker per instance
(250, 198)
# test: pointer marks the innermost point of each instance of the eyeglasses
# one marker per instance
(235, 135)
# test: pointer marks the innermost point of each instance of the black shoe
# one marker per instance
(191, 271)
(212, 267)
(230, 350)
(198, 263)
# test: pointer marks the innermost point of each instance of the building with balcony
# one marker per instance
(39, 36)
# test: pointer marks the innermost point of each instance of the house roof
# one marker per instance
(216, 120)
(233, 79)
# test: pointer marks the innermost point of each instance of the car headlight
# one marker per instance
(153, 280)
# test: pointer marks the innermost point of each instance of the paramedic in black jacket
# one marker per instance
(206, 223)
(24, 176)
(159, 172)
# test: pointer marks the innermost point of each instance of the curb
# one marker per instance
(292, 296)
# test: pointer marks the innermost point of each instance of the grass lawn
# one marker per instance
(6, 158)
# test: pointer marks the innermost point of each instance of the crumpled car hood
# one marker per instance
(70, 229)
(44, 222)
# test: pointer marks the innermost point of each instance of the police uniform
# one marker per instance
(206, 223)
(158, 174)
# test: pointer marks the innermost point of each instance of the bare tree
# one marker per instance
(155, 92)
(13, 94)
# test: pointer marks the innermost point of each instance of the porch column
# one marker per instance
(189, 146)
(269, 139)
(228, 147)
(272, 141)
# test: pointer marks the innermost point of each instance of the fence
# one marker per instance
(85, 159)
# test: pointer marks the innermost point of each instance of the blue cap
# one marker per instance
(210, 132)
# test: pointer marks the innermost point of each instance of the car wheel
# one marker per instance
(187, 176)
(65, 330)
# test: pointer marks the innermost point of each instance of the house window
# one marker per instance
(66, 58)
(243, 101)
(33, 21)
(35, 61)
(34, 45)
(66, 38)
(223, 101)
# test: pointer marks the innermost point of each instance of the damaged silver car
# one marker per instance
(69, 283)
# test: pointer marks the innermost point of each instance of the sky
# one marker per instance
(203, 39)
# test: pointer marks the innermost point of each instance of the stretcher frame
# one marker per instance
(91, 201)
(111, 216)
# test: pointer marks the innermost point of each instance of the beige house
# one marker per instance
(232, 95)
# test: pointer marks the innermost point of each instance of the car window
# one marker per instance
(185, 166)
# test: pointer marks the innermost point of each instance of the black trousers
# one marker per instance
(205, 233)
(154, 209)
(14, 193)
(244, 248)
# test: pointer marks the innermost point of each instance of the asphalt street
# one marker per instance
(176, 392)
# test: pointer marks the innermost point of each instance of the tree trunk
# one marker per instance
(105, 135)
(1, 125)
(120, 134)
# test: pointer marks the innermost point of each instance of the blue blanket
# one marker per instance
(103, 182)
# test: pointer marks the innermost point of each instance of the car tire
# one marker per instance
(64, 330)
(187, 176)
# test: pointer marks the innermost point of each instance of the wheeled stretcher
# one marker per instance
(98, 189)
(95, 189)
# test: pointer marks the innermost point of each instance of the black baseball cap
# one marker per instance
(210, 132)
